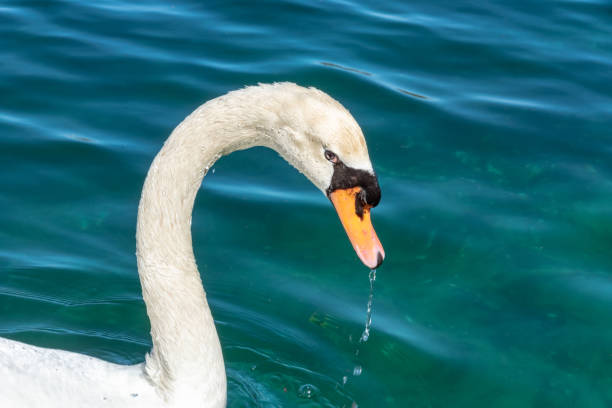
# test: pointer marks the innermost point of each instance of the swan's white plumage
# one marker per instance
(185, 367)
(68, 380)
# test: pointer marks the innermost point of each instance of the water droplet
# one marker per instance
(344, 380)
(366, 332)
(307, 391)
(357, 371)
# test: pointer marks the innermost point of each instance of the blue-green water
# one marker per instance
(489, 124)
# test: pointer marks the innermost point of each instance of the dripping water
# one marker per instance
(366, 332)
(357, 369)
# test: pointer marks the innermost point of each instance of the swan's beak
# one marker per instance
(359, 229)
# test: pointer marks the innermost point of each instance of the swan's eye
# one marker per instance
(331, 156)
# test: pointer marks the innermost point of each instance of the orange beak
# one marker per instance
(359, 229)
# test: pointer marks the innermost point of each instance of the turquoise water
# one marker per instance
(488, 124)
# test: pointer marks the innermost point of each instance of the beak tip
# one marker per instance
(371, 263)
(379, 259)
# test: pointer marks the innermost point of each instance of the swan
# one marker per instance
(185, 366)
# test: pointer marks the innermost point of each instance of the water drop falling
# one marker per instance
(366, 332)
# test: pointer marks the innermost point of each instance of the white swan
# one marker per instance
(185, 368)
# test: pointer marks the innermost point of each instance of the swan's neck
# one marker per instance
(186, 361)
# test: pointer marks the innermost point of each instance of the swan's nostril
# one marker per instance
(360, 202)
(362, 196)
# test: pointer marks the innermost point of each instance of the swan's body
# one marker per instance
(185, 367)
(38, 377)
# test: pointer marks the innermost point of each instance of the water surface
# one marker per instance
(488, 124)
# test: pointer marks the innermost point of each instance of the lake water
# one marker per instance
(490, 127)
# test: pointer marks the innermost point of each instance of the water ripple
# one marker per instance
(488, 124)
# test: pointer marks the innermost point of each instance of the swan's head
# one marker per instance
(318, 136)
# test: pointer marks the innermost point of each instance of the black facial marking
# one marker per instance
(346, 177)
